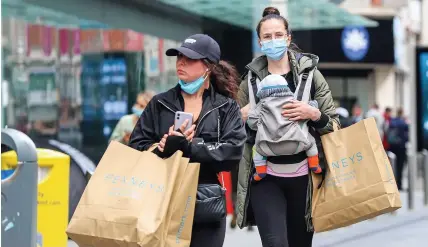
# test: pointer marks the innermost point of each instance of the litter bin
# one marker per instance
(19, 193)
(52, 198)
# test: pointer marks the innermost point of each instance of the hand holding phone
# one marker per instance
(183, 126)
(180, 119)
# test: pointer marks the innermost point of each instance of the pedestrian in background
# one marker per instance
(343, 113)
(377, 115)
(357, 114)
(126, 124)
(387, 115)
(398, 136)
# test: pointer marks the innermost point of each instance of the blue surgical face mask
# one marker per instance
(275, 48)
(193, 86)
(137, 111)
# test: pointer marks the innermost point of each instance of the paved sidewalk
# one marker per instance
(404, 228)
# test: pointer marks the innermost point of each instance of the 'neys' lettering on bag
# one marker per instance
(347, 161)
(344, 175)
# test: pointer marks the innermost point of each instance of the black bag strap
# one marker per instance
(252, 89)
(255, 89)
(304, 87)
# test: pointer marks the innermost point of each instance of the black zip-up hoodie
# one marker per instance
(219, 135)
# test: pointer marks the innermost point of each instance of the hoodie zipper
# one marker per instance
(166, 106)
(208, 112)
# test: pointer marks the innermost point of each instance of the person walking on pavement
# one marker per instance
(387, 115)
(377, 115)
(126, 124)
(207, 88)
(398, 136)
(344, 119)
(279, 204)
(357, 114)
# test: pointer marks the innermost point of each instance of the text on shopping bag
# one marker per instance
(129, 184)
(343, 175)
(344, 162)
(183, 220)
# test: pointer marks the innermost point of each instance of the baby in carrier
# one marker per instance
(277, 135)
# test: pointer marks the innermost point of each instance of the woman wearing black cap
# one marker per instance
(206, 88)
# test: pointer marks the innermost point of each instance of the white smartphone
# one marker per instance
(180, 117)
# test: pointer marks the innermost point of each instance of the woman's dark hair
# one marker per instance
(273, 13)
(225, 78)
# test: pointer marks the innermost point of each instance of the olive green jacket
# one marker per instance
(322, 95)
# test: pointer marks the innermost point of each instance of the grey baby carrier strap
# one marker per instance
(302, 93)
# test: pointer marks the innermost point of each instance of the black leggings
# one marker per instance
(208, 235)
(279, 210)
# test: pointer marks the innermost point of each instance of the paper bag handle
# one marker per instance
(335, 126)
(336, 141)
(153, 147)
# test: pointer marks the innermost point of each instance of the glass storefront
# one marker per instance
(75, 78)
(78, 82)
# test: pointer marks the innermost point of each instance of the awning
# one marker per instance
(39, 15)
(303, 14)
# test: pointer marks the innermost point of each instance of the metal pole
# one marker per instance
(425, 175)
(412, 150)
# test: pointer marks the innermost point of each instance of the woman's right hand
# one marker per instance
(188, 134)
(244, 112)
(161, 145)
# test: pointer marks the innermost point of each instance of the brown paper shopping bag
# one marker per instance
(183, 208)
(359, 184)
(179, 179)
(126, 200)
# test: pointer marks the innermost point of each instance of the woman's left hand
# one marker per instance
(298, 110)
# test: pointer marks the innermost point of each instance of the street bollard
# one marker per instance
(411, 178)
(425, 175)
(19, 193)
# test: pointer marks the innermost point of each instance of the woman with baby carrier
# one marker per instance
(286, 105)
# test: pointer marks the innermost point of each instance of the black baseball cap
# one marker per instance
(198, 46)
